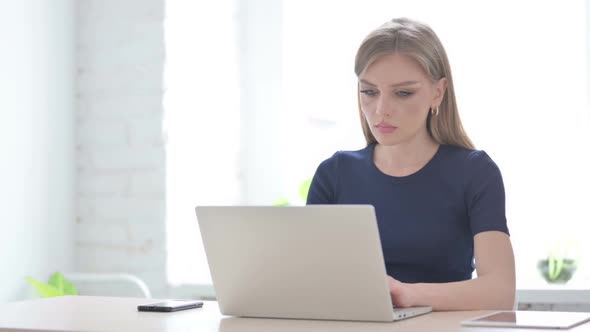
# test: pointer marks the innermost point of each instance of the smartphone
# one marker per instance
(170, 305)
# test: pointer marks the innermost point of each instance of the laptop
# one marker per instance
(300, 262)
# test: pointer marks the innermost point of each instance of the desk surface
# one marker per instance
(105, 314)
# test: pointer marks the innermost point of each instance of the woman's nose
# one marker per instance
(384, 107)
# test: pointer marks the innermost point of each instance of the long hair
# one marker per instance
(418, 41)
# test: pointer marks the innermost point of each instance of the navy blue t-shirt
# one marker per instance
(427, 220)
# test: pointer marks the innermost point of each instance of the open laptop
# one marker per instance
(306, 262)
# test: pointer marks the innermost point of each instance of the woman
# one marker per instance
(439, 202)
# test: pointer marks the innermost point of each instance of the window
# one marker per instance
(521, 82)
(202, 122)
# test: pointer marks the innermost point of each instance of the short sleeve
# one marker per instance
(323, 184)
(485, 196)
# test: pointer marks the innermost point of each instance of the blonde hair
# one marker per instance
(418, 41)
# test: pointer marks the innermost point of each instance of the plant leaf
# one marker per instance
(45, 290)
(304, 189)
(69, 288)
(551, 268)
(558, 268)
(555, 265)
(57, 281)
(281, 202)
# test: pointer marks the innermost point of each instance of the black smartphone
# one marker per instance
(170, 305)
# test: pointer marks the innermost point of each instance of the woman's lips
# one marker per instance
(385, 128)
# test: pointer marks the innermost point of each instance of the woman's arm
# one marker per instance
(322, 187)
(494, 288)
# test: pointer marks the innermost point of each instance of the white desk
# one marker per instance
(106, 314)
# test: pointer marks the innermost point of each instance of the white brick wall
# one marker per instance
(120, 147)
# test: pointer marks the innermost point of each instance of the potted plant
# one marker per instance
(559, 266)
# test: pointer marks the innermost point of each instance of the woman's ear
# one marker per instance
(440, 88)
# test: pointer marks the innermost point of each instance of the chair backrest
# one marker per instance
(109, 284)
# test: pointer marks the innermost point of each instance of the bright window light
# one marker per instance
(520, 72)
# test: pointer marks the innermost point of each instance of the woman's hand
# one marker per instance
(400, 293)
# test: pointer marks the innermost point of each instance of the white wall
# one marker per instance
(120, 147)
(36, 142)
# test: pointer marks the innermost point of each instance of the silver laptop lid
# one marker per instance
(312, 262)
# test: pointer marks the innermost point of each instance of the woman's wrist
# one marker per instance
(415, 295)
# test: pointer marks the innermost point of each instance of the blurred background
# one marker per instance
(118, 117)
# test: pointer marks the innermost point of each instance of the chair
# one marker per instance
(109, 284)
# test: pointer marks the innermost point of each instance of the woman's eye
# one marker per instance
(404, 93)
(369, 92)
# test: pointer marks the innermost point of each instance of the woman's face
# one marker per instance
(395, 97)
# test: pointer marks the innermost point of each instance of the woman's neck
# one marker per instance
(405, 158)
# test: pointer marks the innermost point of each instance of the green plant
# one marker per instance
(560, 264)
(57, 286)
(557, 269)
(303, 191)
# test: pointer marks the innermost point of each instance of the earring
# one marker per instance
(434, 111)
